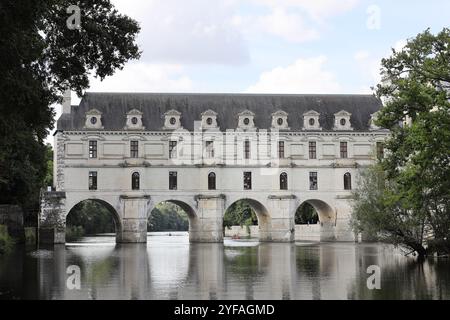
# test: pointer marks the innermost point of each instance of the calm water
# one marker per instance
(168, 267)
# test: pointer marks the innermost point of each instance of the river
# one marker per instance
(169, 267)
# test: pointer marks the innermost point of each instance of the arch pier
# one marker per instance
(276, 215)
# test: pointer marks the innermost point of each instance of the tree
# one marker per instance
(41, 58)
(379, 212)
(416, 95)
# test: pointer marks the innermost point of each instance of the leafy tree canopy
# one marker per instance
(41, 58)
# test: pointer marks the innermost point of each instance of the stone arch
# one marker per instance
(111, 209)
(327, 219)
(263, 215)
(184, 204)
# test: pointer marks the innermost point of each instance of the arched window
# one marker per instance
(347, 181)
(135, 180)
(283, 181)
(212, 181)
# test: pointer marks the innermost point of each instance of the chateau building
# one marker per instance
(204, 152)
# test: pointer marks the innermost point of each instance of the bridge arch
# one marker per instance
(117, 221)
(185, 204)
(262, 214)
(324, 230)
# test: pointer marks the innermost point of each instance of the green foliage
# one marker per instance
(6, 242)
(241, 214)
(168, 217)
(74, 233)
(379, 211)
(48, 181)
(306, 214)
(416, 86)
(41, 58)
(89, 217)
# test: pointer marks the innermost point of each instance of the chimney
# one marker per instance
(67, 101)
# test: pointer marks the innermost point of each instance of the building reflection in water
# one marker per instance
(171, 268)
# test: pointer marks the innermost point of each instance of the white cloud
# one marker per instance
(187, 32)
(304, 76)
(143, 77)
(288, 26)
(317, 9)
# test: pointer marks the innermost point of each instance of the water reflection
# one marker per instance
(171, 268)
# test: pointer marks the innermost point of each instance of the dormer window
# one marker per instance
(172, 120)
(279, 120)
(373, 119)
(311, 120)
(342, 120)
(134, 120)
(209, 119)
(93, 119)
(246, 120)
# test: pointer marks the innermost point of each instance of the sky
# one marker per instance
(267, 46)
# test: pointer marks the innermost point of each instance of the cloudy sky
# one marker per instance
(267, 46)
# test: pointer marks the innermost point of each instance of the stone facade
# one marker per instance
(298, 137)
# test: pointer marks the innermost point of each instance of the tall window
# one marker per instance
(212, 181)
(344, 153)
(312, 150)
(347, 181)
(247, 181)
(92, 149)
(135, 181)
(173, 183)
(172, 149)
(247, 149)
(283, 181)
(92, 180)
(210, 149)
(281, 149)
(134, 149)
(313, 184)
(380, 150)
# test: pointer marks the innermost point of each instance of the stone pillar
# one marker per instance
(343, 230)
(282, 211)
(327, 231)
(133, 214)
(207, 226)
(52, 218)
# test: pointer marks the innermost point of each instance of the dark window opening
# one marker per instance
(312, 150)
(281, 149)
(246, 121)
(212, 181)
(312, 122)
(92, 149)
(135, 181)
(173, 121)
(209, 121)
(173, 183)
(380, 150)
(247, 149)
(247, 181)
(343, 122)
(134, 120)
(283, 181)
(134, 149)
(280, 121)
(347, 181)
(313, 184)
(92, 180)
(344, 153)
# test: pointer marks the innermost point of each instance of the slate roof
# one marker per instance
(114, 107)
